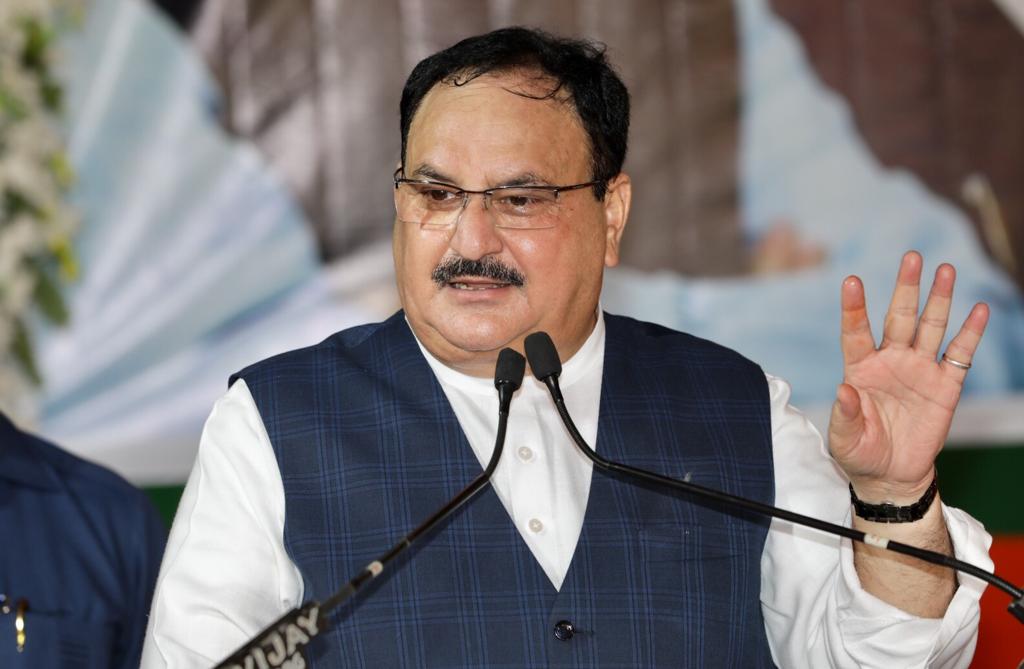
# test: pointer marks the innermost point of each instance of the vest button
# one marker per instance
(564, 630)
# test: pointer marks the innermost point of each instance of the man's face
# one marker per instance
(480, 136)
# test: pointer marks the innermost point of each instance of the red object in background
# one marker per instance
(1001, 637)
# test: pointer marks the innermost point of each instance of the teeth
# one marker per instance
(478, 286)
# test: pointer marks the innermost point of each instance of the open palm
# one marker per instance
(895, 405)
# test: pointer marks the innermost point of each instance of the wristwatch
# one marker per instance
(887, 512)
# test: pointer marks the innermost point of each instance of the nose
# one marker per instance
(475, 235)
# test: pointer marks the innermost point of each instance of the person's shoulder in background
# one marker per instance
(84, 549)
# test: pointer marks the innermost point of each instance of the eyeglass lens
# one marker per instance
(436, 206)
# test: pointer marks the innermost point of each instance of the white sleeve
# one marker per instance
(225, 574)
(816, 614)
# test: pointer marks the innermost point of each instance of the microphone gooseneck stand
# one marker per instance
(281, 644)
(546, 366)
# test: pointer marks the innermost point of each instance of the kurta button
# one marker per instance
(564, 630)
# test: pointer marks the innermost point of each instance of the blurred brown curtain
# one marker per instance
(316, 84)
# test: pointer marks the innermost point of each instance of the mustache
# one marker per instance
(487, 268)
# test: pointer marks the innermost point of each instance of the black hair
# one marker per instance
(577, 67)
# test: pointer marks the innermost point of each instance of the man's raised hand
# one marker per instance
(896, 402)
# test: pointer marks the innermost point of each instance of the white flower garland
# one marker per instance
(36, 223)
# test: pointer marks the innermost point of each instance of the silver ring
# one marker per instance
(956, 363)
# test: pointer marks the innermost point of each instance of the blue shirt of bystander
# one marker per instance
(79, 554)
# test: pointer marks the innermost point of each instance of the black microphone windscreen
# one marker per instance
(543, 356)
(510, 369)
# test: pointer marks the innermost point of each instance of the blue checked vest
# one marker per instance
(368, 447)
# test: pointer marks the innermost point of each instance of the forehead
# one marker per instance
(509, 121)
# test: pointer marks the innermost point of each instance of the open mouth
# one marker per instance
(476, 285)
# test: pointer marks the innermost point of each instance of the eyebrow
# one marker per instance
(524, 179)
(428, 172)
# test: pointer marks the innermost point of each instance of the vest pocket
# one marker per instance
(695, 575)
(663, 594)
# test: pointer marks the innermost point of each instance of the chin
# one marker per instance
(479, 333)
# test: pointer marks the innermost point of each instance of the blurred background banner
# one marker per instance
(233, 198)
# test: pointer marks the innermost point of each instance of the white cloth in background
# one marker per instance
(226, 573)
(195, 259)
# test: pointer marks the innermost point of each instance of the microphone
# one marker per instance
(546, 367)
(281, 644)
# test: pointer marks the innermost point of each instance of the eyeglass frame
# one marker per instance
(488, 193)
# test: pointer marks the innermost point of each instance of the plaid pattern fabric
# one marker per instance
(368, 447)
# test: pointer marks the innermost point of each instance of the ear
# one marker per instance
(616, 211)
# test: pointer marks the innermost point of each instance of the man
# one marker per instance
(81, 549)
(510, 202)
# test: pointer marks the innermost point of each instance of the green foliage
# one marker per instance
(21, 348)
(62, 171)
(16, 203)
(44, 256)
(11, 108)
(67, 263)
(47, 295)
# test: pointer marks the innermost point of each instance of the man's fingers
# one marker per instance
(901, 319)
(935, 317)
(847, 421)
(855, 332)
(960, 352)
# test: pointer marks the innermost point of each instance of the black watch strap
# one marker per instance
(890, 513)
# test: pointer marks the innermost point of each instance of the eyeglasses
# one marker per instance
(438, 206)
